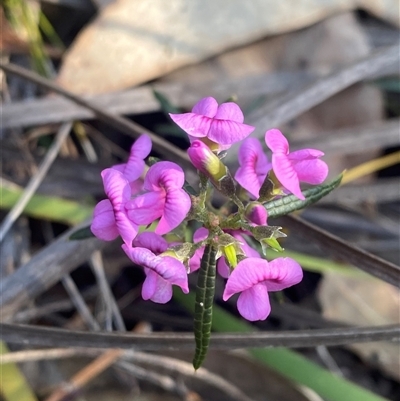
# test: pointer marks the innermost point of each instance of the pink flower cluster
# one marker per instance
(137, 198)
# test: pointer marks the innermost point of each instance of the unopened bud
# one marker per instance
(256, 213)
(230, 248)
(206, 161)
(267, 236)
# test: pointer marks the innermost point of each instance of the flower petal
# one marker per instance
(170, 269)
(162, 289)
(164, 175)
(207, 106)
(245, 275)
(141, 148)
(283, 273)
(286, 174)
(253, 304)
(103, 225)
(229, 111)
(176, 207)
(222, 268)
(276, 141)
(254, 166)
(149, 285)
(146, 208)
(226, 132)
(193, 124)
(152, 241)
(116, 187)
(311, 171)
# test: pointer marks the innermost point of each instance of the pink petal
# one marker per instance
(245, 275)
(170, 269)
(152, 241)
(253, 304)
(176, 207)
(146, 208)
(141, 148)
(164, 175)
(254, 166)
(194, 262)
(200, 234)
(206, 107)
(226, 132)
(276, 141)
(116, 187)
(222, 268)
(193, 124)
(311, 171)
(103, 225)
(118, 191)
(149, 284)
(286, 174)
(229, 111)
(157, 290)
(303, 154)
(283, 273)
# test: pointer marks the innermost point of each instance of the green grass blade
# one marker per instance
(204, 304)
(288, 363)
(45, 207)
(290, 203)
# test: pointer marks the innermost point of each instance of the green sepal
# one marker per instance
(290, 203)
(204, 304)
(82, 233)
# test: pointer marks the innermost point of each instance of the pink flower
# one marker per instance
(161, 271)
(109, 217)
(254, 166)
(222, 125)
(133, 169)
(254, 277)
(165, 198)
(291, 168)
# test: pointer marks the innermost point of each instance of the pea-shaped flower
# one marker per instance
(161, 271)
(291, 168)
(218, 125)
(254, 278)
(165, 198)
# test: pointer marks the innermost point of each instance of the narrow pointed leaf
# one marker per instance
(204, 304)
(82, 233)
(290, 203)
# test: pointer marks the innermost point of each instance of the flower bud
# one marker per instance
(256, 213)
(209, 164)
(267, 236)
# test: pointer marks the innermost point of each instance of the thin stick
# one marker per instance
(79, 303)
(36, 180)
(130, 128)
(86, 374)
(54, 337)
(169, 364)
(96, 263)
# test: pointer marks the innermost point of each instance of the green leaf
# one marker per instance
(290, 203)
(45, 207)
(204, 304)
(288, 363)
(165, 105)
(82, 233)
